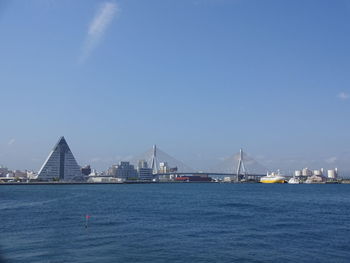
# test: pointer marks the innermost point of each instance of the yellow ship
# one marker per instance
(273, 178)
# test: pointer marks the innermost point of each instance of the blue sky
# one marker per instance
(199, 78)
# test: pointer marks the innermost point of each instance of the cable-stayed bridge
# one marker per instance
(239, 165)
(155, 156)
(231, 164)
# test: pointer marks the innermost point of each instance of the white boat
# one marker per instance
(315, 179)
(273, 178)
(294, 180)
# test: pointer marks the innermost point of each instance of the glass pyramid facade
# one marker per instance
(60, 164)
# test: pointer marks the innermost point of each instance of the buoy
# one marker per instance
(87, 217)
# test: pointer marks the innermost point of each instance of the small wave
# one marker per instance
(15, 205)
(239, 205)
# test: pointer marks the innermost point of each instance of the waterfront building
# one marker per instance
(60, 164)
(166, 173)
(142, 164)
(307, 172)
(112, 171)
(86, 170)
(318, 172)
(332, 174)
(298, 173)
(163, 168)
(19, 174)
(31, 175)
(93, 173)
(3, 171)
(145, 173)
(104, 179)
(124, 170)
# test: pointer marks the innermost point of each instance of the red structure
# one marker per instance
(193, 179)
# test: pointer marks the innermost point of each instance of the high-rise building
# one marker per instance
(145, 173)
(60, 164)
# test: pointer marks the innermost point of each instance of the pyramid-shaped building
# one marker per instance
(60, 164)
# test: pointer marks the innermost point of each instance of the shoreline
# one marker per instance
(78, 183)
(344, 181)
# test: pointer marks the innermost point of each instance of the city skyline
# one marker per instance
(200, 79)
(224, 165)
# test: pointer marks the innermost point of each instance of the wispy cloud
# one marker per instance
(343, 96)
(11, 142)
(98, 27)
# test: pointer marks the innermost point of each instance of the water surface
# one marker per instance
(175, 223)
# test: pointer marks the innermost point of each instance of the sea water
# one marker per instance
(184, 222)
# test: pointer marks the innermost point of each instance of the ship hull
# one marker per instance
(272, 181)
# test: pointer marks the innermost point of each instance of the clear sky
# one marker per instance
(200, 78)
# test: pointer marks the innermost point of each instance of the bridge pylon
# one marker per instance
(241, 172)
(154, 160)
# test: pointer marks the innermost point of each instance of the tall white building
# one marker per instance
(60, 164)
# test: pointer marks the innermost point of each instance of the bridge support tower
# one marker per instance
(241, 173)
(154, 160)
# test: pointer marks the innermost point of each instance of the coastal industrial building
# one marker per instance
(60, 165)
(307, 175)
